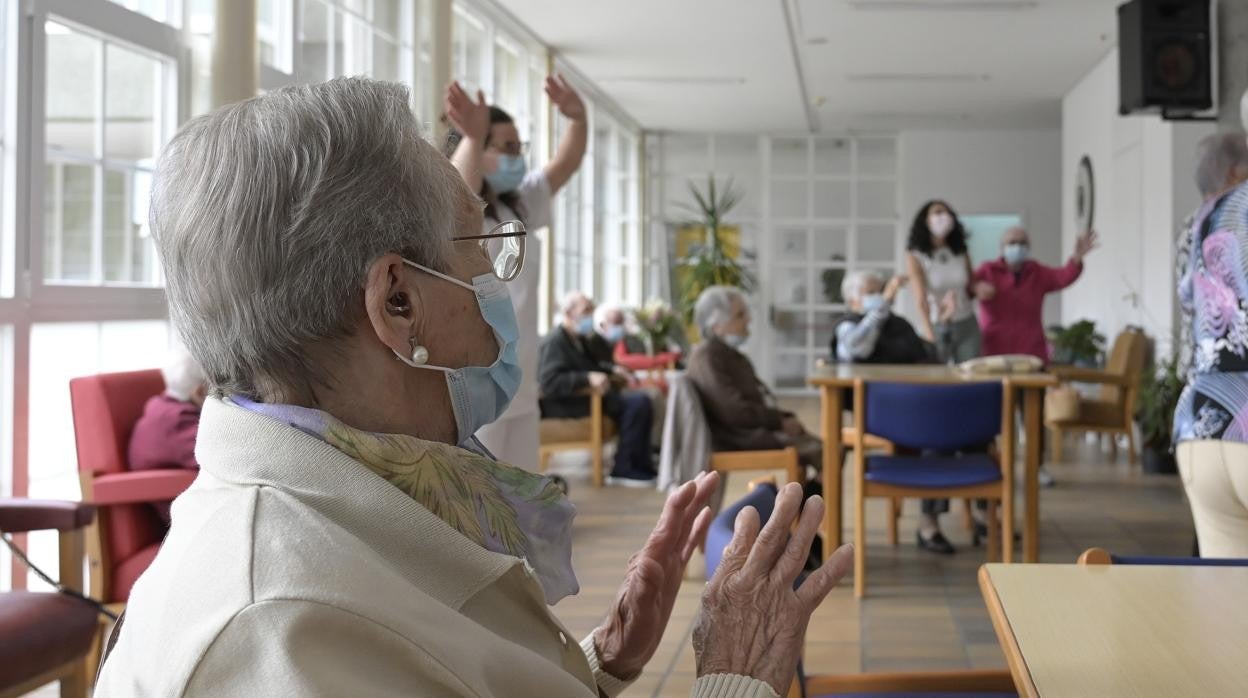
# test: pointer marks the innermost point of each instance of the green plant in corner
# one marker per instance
(1159, 397)
(709, 264)
(1080, 344)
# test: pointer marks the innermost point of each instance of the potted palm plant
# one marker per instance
(1158, 398)
(709, 264)
(1077, 345)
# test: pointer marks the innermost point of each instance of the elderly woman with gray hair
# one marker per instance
(740, 410)
(345, 535)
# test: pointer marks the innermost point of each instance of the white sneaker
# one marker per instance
(1046, 480)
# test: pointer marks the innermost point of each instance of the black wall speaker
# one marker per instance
(1165, 57)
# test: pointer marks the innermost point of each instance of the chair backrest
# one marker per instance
(1126, 358)
(940, 417)
(105, 408)
(1099, 556)
(686, 442)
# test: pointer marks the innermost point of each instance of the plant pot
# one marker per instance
(1159, 461)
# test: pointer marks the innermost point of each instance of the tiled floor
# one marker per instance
(922, 611)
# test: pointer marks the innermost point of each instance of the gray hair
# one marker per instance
(855, 281)
(714, 305)
(182, 374)
(267, 214)
(1217, 157)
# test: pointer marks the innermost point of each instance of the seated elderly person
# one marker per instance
(629, 350)
(164, 435)
(870, 332)
(740, 410)
(574, 361)
(343, 536)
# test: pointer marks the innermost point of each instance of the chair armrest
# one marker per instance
(21, 515)
(1092, 375)
(142, 486)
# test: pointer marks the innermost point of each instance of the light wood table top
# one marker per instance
(1121, 630)
(845, 374)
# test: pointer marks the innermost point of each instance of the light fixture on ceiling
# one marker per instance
(943, 5)
(918, 77)
(675, 80)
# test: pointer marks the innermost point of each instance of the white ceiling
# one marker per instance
(728, 65)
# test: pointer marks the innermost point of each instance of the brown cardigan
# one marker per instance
(737, 404)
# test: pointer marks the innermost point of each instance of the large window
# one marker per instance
(107, 113)
(345, 37)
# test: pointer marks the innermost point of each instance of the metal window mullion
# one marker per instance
(97, 179)
(58, 223)
(127, 240)
(331, 51)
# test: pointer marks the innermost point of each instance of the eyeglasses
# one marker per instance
(504, 247)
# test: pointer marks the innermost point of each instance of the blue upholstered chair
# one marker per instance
(1100, 556)
(968, 684)
(947, 425)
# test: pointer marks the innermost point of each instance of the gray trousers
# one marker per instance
(957, 341)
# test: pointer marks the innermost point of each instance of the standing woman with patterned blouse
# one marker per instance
(1211, 422)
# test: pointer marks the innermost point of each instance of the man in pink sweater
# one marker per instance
(1011, 293)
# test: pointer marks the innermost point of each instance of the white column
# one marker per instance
(440, 16)
(1232, 60)
(235, 59)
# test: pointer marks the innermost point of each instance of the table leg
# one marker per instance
(1031, 474)
(830, 404)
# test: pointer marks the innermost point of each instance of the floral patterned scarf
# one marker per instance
(498, 506)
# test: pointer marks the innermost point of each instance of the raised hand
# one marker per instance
(565, 98)
(633, 629)
(753, 621)
(471, 118)
(1085, 244)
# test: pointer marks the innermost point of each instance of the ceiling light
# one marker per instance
(918, 77)
(675, 79)
(935, 5)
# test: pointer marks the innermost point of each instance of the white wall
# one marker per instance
(989, 172)
(1142, 169)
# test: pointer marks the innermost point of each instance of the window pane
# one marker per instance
(129, 254)
(273, 32)
(69, 206)
(468, 46)
(132, 104)
(385, 59)
(72, 90)
(388, 16)
(832, 156)
(314, 42)
(351, 39)
(876, 242)
(788, 156)
(509, 77)
(832, 199)
(877, 157)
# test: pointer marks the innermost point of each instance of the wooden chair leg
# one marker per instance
(596, 436)
(1131, 452)
(1057, 443)
(994, 532)
(76, 683)
(1113, 446)
(968, 519)
(894, 513)
(860, 545)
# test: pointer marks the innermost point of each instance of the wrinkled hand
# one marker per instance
(624, 374)
(753, 622)
(472, 119)
(1085, 244)
(792, 427)
(599, 382)
(985, 291)
(948, 306)
(565, 98)
(632, 631)
(894, 286)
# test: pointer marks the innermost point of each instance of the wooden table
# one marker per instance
(1121, 630)
(1023, 389)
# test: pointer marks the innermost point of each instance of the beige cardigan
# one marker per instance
(291, 569)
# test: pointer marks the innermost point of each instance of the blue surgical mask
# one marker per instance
(510, 172)
(614, 334)
(1016, 254)
(736, 341)
(480, 394)
(585, 326)
(873, 301)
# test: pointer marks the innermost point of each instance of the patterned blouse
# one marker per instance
(1214, 290)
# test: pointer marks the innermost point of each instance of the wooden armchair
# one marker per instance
(577, 434)
(1113, 410)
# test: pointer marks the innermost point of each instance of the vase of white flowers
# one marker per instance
(654, 323)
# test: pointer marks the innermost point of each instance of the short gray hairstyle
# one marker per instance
(714, 305)
(268, 213)
(1217, 156)
(855, 281)
(182, 374)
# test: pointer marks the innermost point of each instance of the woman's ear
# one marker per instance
(390, 302)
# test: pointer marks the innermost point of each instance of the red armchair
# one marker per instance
(45, 636)
(127, 534)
